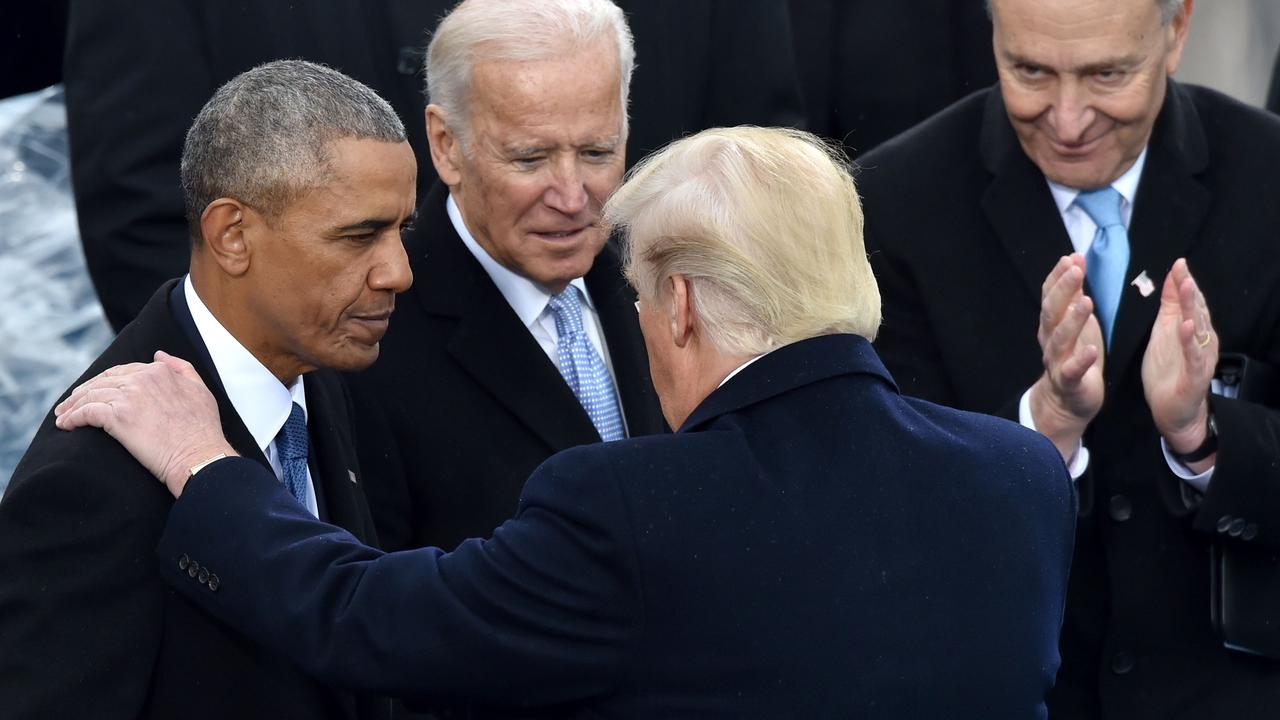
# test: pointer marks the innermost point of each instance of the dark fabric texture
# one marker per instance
(87, 628)
(810, 544)
(962, 230)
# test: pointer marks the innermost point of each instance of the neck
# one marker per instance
(231, 308)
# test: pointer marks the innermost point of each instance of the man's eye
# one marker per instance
(1031, 71)
(528, 161)
(362, 237)
(1109, 76)
(598, 154)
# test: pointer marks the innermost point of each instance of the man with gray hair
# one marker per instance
(519, 339)
(810, 543)
(298, 181)
(1079, 247)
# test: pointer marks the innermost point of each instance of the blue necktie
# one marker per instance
(1108, 256)
(291, 444)
(582, 368)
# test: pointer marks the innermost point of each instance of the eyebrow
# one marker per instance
(374, 224)
(610, 142)
(1126, 61)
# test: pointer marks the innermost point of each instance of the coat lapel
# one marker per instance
(1168, 213)
(195, 352)
(1018, 203)
(489, 341)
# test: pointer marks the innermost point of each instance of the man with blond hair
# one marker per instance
(809, 544)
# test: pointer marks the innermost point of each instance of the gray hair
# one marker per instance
(478, 30)
(1168, 9)
(764, 223)
(263, 137)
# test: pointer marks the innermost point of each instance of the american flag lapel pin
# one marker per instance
(1144, 284)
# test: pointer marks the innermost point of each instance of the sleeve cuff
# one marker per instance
(1199, 482)
(1079, 461)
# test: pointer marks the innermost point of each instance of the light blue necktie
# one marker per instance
(291, 444)
(582, 367)
(1108, 256)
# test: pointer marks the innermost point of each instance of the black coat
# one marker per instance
(962, 231)
(463, 403)
(811, 544)
(87, 628)
(138, 71)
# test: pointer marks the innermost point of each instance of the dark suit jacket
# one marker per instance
(138, 72)
(87, 629)
(463, 404)
(962, 231)
(810, 544)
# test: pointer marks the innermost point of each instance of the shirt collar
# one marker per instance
(527, 298)
(260, 400)
(1126, 185)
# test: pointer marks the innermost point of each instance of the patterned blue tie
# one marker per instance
(582, 368)
(1108, 256)
(291, 444)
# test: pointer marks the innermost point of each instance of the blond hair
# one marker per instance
(766, 225)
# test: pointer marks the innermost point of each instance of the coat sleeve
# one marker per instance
(80, 601)
(1246, 478)
(545, 612)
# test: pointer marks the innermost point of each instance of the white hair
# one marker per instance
(764, 223)
(518, 30)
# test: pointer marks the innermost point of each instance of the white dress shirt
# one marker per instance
(259, 398)
(529, 301)
(1081, 229)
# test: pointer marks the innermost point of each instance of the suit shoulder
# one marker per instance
(947, 137)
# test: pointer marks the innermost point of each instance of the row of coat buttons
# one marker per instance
(199, 574)
(1237, 527)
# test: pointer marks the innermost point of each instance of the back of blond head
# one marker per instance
(478, 30)
(767, 226)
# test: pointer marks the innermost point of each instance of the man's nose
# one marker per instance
(568, 191)
(1072, 113)
(392, 271)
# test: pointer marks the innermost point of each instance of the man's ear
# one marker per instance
(1179, 26)
(225, 227)
(681, 310)
(446, 150)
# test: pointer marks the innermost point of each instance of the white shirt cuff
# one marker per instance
(1079, 461)
(1199, 482)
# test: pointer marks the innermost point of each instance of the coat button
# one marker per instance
(1250, 532)
(1224, 522)
(204, 576)
(214, 582)
(193, 569)
(183, 562)
(1236, 528)
(1122, 662)
(1120, 509)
